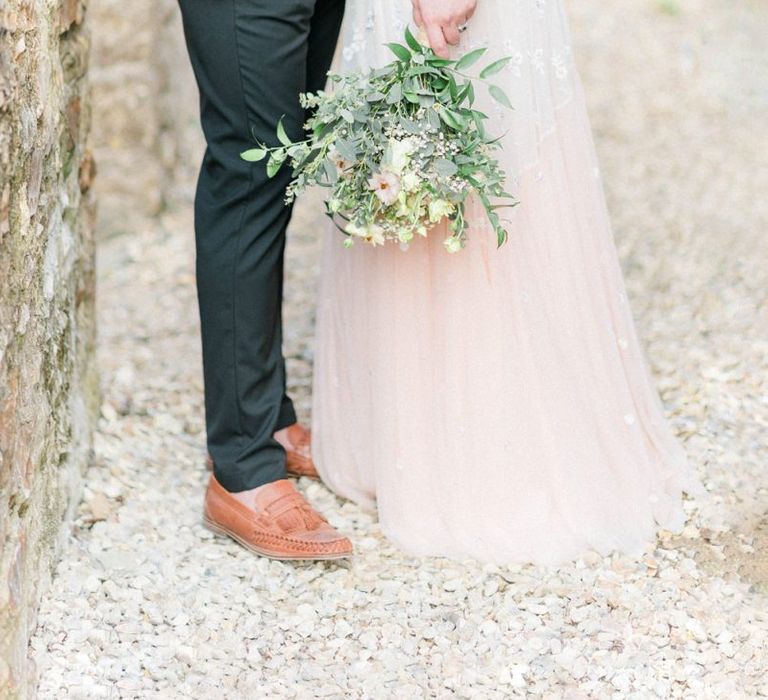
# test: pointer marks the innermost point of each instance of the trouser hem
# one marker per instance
(242, 478)
(287, 415)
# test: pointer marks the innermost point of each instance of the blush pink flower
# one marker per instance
(386, 185)
(341, 163)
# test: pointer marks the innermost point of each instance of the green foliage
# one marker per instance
(401, 147)
(254, 154)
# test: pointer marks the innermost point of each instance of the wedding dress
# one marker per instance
(495, 403)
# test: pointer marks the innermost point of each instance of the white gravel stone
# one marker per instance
(146, 602)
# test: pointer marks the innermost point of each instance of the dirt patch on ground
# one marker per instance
(739, 553)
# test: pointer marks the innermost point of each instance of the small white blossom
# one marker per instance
(375, 235)
(372, 233)
(452, 244)
(439, 209)
(405, 235)
(400, 154)
(410, 182)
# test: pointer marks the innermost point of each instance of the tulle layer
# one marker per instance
(496, 403)
(540, 76)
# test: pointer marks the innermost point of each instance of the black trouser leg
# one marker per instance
(251, 59)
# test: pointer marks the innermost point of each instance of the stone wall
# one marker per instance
(147, 143)
(146, 136)
(48, 388)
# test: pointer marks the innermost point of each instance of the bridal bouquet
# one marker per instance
(401, 148)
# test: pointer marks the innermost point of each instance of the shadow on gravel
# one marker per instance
(743, 552)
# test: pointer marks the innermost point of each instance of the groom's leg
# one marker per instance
(250, 62)
(321, 44)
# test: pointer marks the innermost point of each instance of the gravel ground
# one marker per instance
(148, 603)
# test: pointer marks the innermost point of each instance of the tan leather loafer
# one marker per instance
(281, 525)
(298, 457)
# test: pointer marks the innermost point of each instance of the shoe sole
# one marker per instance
(219, 530)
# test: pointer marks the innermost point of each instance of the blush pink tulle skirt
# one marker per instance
(495, 404)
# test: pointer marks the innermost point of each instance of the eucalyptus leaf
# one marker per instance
(440, 62)
(254, 155)
(273, 165)
(479, 125)
(330, 171)
(400, 51)
(395, 94)
(470, 94)
(495, 67)
(445, 167)
(446, 116)
(346, 150)
(459, 118)
(500, 96)
(410, 126)
(412, 41)
(453, 88)
(469, 59)
(281, 135)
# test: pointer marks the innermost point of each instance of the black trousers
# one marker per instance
(251, 60)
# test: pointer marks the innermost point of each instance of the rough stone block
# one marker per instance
(47, 373)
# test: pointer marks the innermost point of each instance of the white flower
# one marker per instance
(373, 233)
(386, 185)
(400, 154)
(410, 182)
(355, 230)
(404, 235)
(452, 244)
(438, 209)
(403, 210)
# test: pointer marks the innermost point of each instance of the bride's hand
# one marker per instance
(441, 19)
